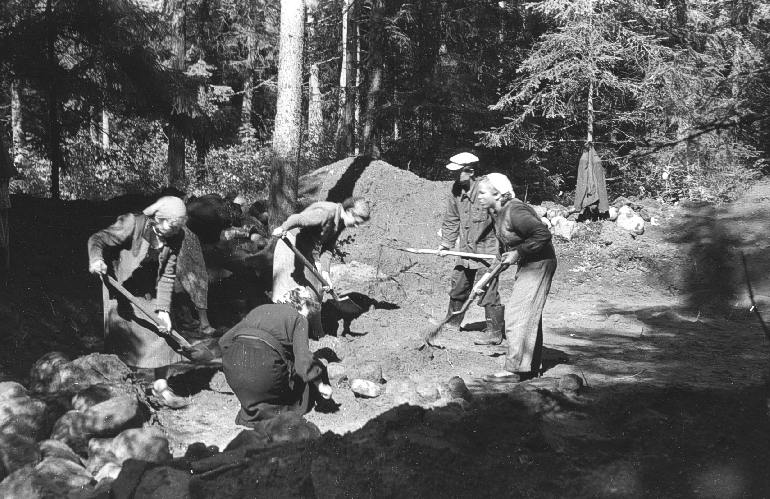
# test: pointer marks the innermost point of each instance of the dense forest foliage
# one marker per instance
(105, 97)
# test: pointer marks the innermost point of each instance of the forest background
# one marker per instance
(101, 98)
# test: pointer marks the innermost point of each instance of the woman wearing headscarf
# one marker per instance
(267, 360)
(148, 253)
(525, 241)
(314, 232)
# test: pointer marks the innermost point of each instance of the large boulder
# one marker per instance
(22, 415)
(10, 390)
(96, 394)
(58, 449)
(630, 221)
(562, 227)
(64, 472)
(16, 452)
(100, 454)
(106, 419)
(52, 373)
(146, 444)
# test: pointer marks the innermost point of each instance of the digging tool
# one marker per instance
(480, 289)
(475, 256)
(197, 353)
(344, 303)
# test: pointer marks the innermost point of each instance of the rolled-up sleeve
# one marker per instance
(114, 235)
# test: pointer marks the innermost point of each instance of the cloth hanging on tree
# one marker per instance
(591, 185)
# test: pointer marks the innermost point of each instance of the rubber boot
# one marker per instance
(493, 335)
(455, 321)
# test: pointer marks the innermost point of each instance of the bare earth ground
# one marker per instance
(658, 328)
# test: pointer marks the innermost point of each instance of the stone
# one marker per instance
(108, 418)
(44, 370)
(164, 483)
(365, 388)
(335, 370)
(540, 210)
(290, 427)
(457, 389)
(630, 221)
(402, 392)
(58, 449)
(21, 484)
(563, 227)
(11, 390)
(147, 444)
(16, 452)
(613, 213)
(571, 383)
(109, 471)
(54, 375)
(23, 415)
(219, 384)
(371, 371)
(428, 392)
(621, 201)
(114, 415)
(63, 471)
(100, 454)
(96, 394)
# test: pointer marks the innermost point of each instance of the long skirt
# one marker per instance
(524, 316)
(263, 381)
(288, 273)
(133, 337)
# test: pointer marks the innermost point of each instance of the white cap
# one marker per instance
(459, 161)
(500, 183)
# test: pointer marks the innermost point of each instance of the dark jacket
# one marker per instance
(519, 228)
(464, 218)
(283, 329)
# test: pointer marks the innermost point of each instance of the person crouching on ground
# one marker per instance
(465, 219)
(525, 241)
(148, 254)
(267, 360)
(314, 232)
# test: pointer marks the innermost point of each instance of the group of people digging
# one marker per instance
(266, 357)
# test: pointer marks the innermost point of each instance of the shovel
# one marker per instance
(344, 304)
(197, 353)
(481, 288)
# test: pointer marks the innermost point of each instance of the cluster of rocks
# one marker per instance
(71, 430)
(628, 214)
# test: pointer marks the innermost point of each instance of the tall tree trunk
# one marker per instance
(346, 124)
(54, 126)
(200, 160)
(377, 40)
(93, 124)
(176, 139)
(284, 174)
(357, 104)
(590, 118)
(105, 129)
(247, 130)
(315, 119)
(17, 129)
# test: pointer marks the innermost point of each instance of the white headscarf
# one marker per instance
(500, 183)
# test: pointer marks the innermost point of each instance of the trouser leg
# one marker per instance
(523, 316)
(462, 283)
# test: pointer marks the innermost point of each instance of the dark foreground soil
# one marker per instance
(657, 327)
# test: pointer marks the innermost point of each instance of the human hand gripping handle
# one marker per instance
(98, 267)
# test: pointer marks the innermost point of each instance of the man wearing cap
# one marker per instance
(467, 221)
(148, 254)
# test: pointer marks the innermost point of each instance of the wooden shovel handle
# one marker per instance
(146, 311)
(313, 270)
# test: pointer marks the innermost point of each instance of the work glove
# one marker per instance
(325, 390)
(278, 231)
(98, 267)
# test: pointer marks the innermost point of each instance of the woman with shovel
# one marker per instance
(147, 254)
(525, 241)
(313, 233)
